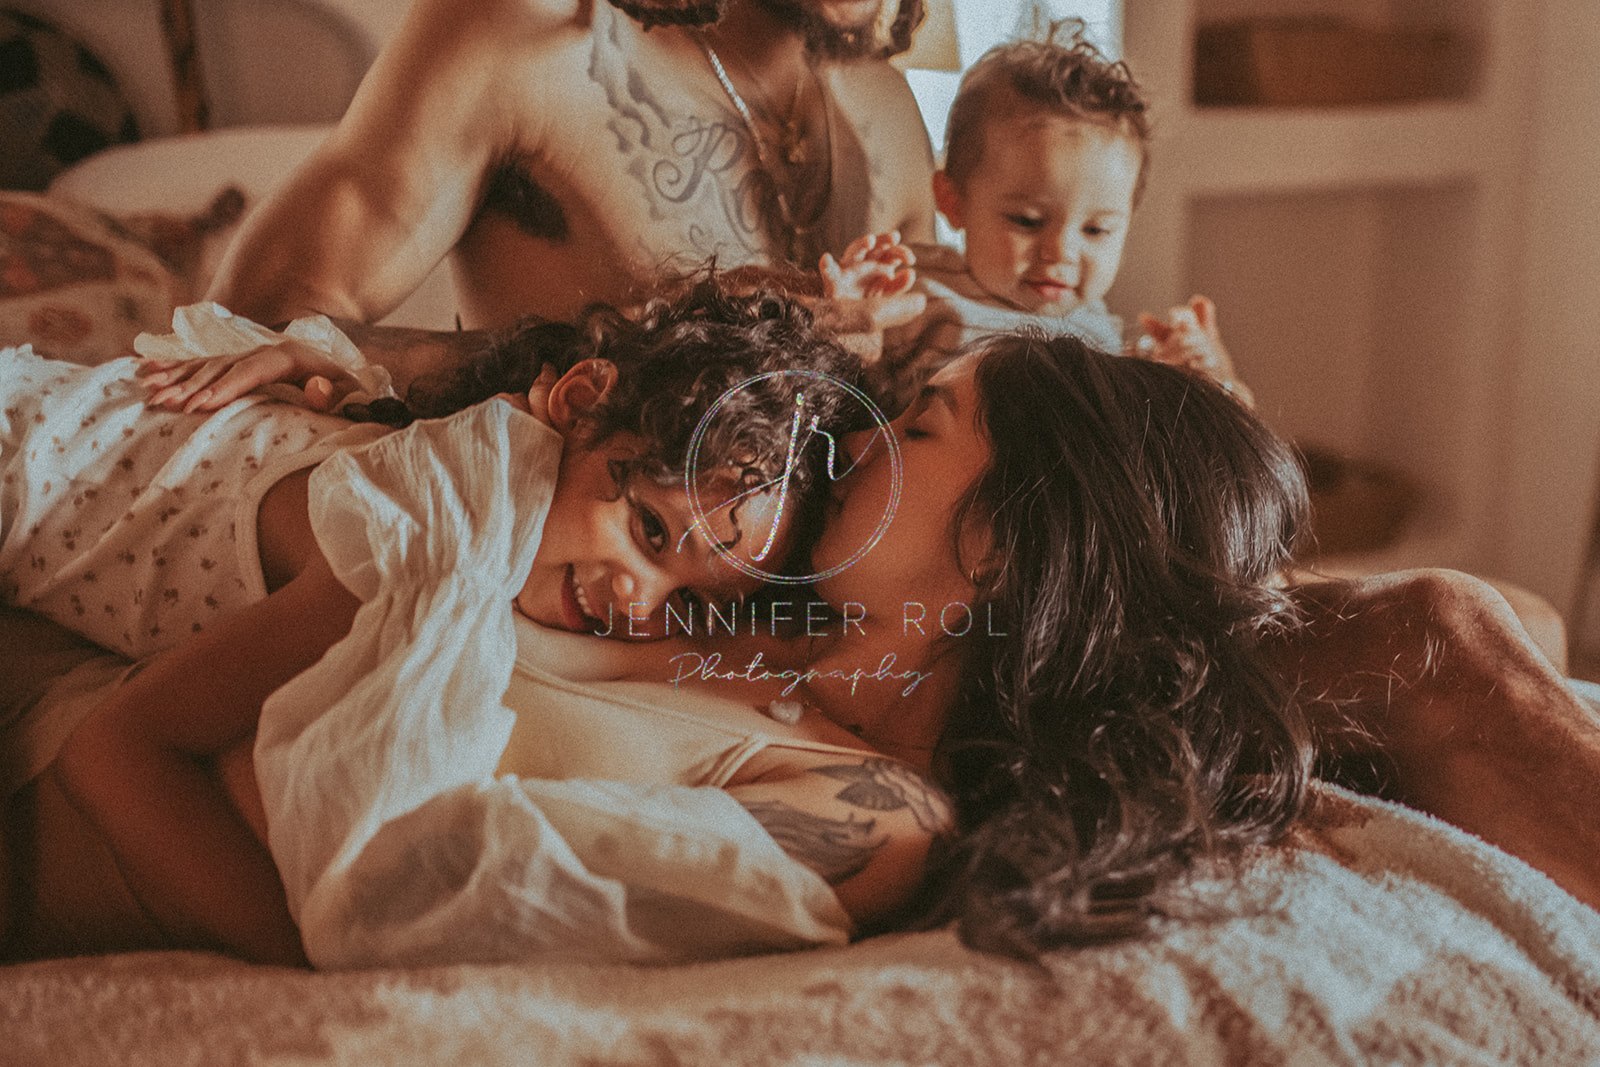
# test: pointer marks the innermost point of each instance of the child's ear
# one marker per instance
(579, 391)
(947, 198)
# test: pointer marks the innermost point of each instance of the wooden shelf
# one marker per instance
(1255, 150)
(1359, 258)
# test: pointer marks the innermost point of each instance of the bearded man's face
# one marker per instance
(837, 29)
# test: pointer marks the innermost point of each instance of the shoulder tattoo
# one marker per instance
(886, 785)
(838, 849)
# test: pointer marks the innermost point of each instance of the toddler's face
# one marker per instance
(607, 551)
(1046, 210)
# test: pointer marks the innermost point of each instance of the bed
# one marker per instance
(1373, 935)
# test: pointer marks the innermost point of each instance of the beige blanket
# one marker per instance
(1376, 936)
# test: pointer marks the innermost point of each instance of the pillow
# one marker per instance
(58, 102)
(190, 245)
(80, 285)
(179, 175)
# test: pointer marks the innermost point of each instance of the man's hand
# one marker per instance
(1189, 338)
(190, 385)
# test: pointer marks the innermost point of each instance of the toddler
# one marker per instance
(1046, 151)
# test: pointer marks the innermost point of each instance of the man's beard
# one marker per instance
(827, 40)
(887, 33)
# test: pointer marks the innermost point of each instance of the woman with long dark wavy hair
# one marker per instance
(1163, 687)
(1120, 526)
(1107, 703)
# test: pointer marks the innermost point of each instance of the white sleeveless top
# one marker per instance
(644, 732)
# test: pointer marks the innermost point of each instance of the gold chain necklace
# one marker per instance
(791, 143)
(791, 138)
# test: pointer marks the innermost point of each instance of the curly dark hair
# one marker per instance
(1063, 74)
(675, 360)
(653, 13)
(1131, 722)
(649, 13)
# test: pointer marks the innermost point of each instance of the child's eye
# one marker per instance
(1025, 222)
(651, 527)
(913, 427)
(1094, 230)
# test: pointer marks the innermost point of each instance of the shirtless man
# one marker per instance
(561, 153)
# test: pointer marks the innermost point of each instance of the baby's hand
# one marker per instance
(869, 287)
(207, 384)
(877, 265)
(1189, 338)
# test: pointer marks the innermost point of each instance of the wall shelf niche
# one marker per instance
(1356, 253)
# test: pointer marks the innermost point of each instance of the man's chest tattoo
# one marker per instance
(694, 170)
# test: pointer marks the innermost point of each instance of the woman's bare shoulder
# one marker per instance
(868, 825)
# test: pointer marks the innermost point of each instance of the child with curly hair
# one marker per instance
(261, 554)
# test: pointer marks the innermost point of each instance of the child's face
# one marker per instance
(606, 553)
(1046, 210)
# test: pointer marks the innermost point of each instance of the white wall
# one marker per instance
(274, 61)
(1555, 408)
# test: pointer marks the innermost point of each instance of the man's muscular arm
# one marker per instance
(392, 189)
(1431, 673)
(909, 182)
(209, 383)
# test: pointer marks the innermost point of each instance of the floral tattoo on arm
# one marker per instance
(839, 849)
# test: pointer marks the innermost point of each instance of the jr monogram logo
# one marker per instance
(803, 433)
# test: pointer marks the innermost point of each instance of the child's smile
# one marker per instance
(575, 605)
(611, 551)
(1050, 290)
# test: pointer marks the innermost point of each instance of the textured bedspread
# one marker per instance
(1376, 936)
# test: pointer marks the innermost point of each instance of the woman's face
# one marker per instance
(943, 451)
